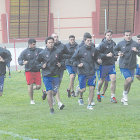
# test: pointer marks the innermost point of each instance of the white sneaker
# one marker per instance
(125, 97)
(61, 106)
(124, 101)
(80, 101)
(32, 102)
(90, 107)
(77, 91)
(93, 103)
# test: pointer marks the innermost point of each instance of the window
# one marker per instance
(28, 18)
(119, 14)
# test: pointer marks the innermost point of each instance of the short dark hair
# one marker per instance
(127, 31)
(87, 36)
(138, 36)
(31, 41)
(108, 31)
(49, 38)
(72, 36)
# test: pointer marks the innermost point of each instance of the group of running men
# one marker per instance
(85, 60)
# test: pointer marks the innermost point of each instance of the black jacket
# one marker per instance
(30, 55)
(63, 51)
(72, 49)
(5, 55)
(51, 57)
(128, 60)
(104, 48)
(88, 56)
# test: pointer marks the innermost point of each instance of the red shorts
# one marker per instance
(33, 78)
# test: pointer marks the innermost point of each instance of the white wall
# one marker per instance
(72, 8)
(2, 10)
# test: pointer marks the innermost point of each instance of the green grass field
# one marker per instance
(21, 121)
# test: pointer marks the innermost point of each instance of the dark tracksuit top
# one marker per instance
(5, 55)
(51, 57)
(88, 56)
(128, 60)
(30, 55)
(10, 56)
(64, 53)
(104, 48)
(72, 49)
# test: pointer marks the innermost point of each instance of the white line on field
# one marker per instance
(16, 135)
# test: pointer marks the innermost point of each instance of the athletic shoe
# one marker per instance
(44, 94)
(77, 91)
(98, 98)
(80, 101)
(32, 102)
(125, 97)
(93, 103)
(61, 106)
(124, 102)
(73, 94)
(113, 100)
(90, 107)
(102, 95)
(69, 94)
(52, 111)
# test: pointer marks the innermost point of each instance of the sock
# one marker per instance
(112, 95)
(125, 92)
(59, 103)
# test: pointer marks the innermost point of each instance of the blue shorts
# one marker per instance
(1, 83)
(90, 80)
(127, 73)
(106, 71)
(107, 78)
(51, 83)
(137, 70)
(71, 69)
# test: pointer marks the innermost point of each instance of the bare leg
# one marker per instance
(58, 96)
(127, 84)
(36, 87)
(91, 94)
(49, 97)
(105, 87)
(30, 91)
(81, 92)
(138, 77)
(113, 84)
(71, 84)
(100, 83)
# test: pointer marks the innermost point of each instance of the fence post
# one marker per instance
(7, 27)
(105, 21)
(93, 36)
(15, 54)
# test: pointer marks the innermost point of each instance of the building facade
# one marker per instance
(20, 19)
